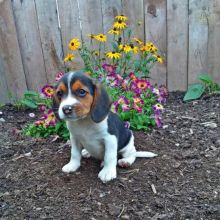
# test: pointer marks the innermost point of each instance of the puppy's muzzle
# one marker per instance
(67, 109)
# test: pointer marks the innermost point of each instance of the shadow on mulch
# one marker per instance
(181, 183)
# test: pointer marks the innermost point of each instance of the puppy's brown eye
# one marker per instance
(59, 94)
(81, 92)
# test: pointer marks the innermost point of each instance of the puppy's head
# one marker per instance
(78, 96)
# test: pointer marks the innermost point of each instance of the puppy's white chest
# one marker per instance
(90, 137)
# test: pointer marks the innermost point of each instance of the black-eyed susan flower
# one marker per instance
(149, 47)
(69, 57)
(96, 53)
(136, 40)
(152, 47)
(47, 91)
(158, 57)
(134, 49)
(101, 37)
(92, 36)
(126, 48)
(121, 18)
(74, 44)
(114, 31)
(113, 55)
(119, 25)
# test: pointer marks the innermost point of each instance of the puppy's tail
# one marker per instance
(145, 154)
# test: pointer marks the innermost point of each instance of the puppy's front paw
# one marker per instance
(71, 167)
(107, 174)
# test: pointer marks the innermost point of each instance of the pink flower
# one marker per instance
(142, 84)
(158, 121)
(137, 108)
(127, 124)
(50, 118)
(47, 91)
(123, 102)
(132, 76)
(42, 107)
(109, 68)
(40, 123)
(59, 75)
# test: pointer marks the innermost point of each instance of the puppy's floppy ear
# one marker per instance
(101, 104)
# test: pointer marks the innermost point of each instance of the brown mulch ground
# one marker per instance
(183, 182)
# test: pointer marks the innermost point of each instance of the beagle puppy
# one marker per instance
(94, 130)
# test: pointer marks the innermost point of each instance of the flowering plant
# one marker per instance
(124, 70)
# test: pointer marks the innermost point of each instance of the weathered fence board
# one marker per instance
(110, 9)
(177, 44)
(134, 10)
(155, 31)
(214, 39)
(50, 37)
(12, 78)
(91, 20)
(30, 43)
(70, 28)
(198, 29)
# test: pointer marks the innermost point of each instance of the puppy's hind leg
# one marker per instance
(128, 154)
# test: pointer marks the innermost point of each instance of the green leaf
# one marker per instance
(207, 79)
(31, 93)
(28, 103)
(195, 91)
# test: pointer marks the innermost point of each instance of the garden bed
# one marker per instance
(181, 183)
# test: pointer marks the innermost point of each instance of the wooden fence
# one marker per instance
(34, 35)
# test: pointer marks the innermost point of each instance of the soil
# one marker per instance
(183, 182)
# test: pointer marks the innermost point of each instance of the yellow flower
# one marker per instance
(96, 53)
(113, 55)
(74, 44)
(101, 37)
(121, 18)
(119, 25)
(92, 36)
(134, 48)
(149, 47)
(139, 23)
(114, 31)
(136, 40)
(69, 57)
(152, 47)
(158, 57)
(126, 48)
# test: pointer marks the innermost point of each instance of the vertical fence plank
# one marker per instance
(30, 43)
(214, 40)
(134, 10)
(177, 34)
(70, 27)
(155, 31)
(110, 9)
(12, 76)
(50, 37)
(91, 19)
(198, 29)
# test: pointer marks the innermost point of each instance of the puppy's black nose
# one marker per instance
(67, 109)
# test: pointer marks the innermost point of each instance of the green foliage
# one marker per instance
(30, 99)
(43, 131)
(207, 85)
